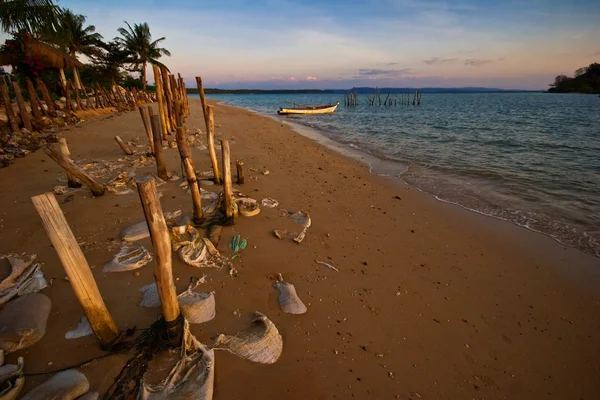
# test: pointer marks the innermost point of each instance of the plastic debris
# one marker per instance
(12, 378)
(197, 307)
(193, 249)
(262, 343)
(25, 277)
(328, 266)
(288, 298)
(269, 202)
(65, 385)
(139, 230)
(83, 329)
(246, 207)
(237, 243)
(131, 256)
(23, 321)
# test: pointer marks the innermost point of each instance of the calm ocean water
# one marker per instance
(529, 158)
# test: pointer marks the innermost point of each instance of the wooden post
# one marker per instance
(210, 136)
(33, 100)
(146, 121)
(96, 188)
(77, 269)
(161, 168)
(203, 100)
(227, 188)
(161, 241)
(21, 103)
(46, 95)
(168, 98)
(188, 163)
(240, 172)
(161, 101)
(123, 146)
(10, 112)
(177, 108)
(72, 182)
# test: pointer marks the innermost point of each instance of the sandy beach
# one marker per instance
(431, 301)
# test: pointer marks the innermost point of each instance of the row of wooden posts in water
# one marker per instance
(41, 104)
(351, 98)
(171, 116)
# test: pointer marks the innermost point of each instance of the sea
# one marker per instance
(532, 159)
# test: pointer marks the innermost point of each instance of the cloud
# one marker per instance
(437, 60)
(596, 53)
(392, 63)
(292, 78)
(475, 62)
(373, 73)
(311, 78)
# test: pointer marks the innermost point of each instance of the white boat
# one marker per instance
(327, 109)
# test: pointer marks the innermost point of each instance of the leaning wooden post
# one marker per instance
(188, 163)
(161, 101)
(168, 98)
(96, 188)
(227, 185)
(161, 241)
(77, 269)
(146, 121)
(161, 168)
(240, 172)
(177, 107)
(210, 136)
(10, 112)
(203, 100)
(33, 100)
(21, 103)
(123, 146)
(46, 96)
(72, 182)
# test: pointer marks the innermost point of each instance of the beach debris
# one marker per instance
(122, 183)
(237, 243)
(288, 298)
(150, 297)
(214, 232)
(303, 218)
(89, 396)
(279, 233)
(139, 230)
(60, 190)
(192, 378)
(23, 321)
(193, 249)
(262, 343)
(246, 207)
(83, 329)
(64, 385)
(12, 379)
(197, 307)
(233, 272)
(269, 202)
(265, 172)
(328, 265)
(131, 256)
(25, 277)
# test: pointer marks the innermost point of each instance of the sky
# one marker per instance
(510, 44)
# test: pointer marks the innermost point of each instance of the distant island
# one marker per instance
(360, 90)
(586, 80)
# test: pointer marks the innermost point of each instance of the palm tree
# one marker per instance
(138, 41)
(27, 15)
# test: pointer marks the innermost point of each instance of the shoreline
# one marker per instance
(387, 167)
(430, 301)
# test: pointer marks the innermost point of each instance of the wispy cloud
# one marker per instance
(475, 62)
(437, 60)
(383, 73)
(311, 78)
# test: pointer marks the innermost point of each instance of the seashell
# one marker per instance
(83, 329)
(262, 343)
(131, 256)
(288, 298)
(23, 321)
(65, 385)
(12, 379)
(246, 207)
(269, 202)
(192, 378)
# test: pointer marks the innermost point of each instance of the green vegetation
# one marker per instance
(586, 80)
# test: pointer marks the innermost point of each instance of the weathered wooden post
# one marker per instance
(203, 100)
(10, 112)
(161, 168)
(46, 96)
(146, 121)
(210, 136)
(227, 184)
(161, 102)
(240, 172)
(177, 107)
(96, 188)
(21, 103)
(72, 182)
(123, 146)
(168, 98)
(33, 100)
(188, 163)
(77, 269)
(161, 241)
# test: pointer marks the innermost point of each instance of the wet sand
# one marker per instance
(430, 302)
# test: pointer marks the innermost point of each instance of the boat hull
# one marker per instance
(308, 110)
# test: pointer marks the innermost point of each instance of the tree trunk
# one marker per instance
(144, 77)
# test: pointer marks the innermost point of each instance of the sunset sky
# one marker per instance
(339, 44)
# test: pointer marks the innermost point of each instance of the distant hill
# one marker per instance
(360, 90)
(586, 80)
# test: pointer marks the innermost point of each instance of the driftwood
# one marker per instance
(123, 146)
(96, 188)
(72, 181)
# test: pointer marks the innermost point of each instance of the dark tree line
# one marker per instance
(586, 80)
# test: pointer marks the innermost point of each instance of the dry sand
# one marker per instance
(430, 301)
